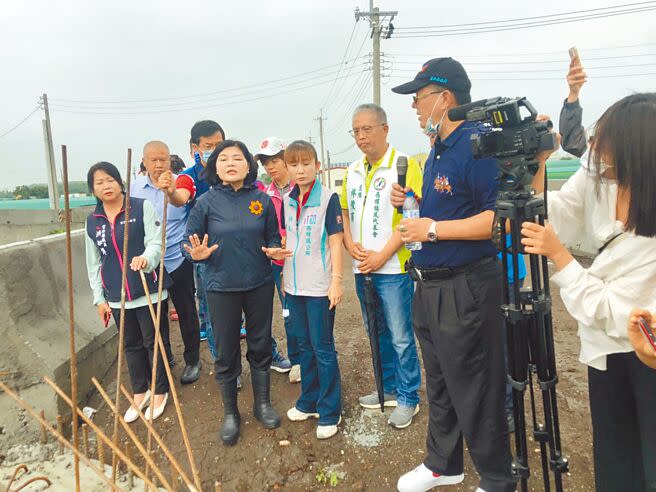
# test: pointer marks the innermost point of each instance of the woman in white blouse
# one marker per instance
(610, 206)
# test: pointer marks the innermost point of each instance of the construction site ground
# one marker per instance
(366, 454)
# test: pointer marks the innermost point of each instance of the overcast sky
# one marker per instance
(224, 60)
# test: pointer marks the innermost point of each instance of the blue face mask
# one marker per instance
(206, 155)
(433, 128)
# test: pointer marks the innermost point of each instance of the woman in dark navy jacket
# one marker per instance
(104, 241)
(233, 228)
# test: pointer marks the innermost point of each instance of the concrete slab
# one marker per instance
(34, 330)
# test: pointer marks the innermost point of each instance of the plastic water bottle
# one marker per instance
(411, 211)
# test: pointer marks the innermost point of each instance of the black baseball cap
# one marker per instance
(445, 72)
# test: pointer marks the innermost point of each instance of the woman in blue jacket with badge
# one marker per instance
(233, 228)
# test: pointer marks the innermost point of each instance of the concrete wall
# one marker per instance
(22, 225)
(34, 329)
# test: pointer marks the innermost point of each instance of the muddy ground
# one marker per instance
(366, 454)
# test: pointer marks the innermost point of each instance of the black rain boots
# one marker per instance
(262, 408)
(231, 419)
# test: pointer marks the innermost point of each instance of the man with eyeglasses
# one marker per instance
(455, 311)
(378, 252)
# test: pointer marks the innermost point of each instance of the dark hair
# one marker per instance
(460, 97)
(108, 168)
(266, 158)
(177, 164)
(300, 148)
(624, 138)
(213, 177)
(205, 128)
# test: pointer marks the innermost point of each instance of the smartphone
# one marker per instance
(106, 318)
(573, 53)
(647, 332)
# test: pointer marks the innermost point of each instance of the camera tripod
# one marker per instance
(531, 357)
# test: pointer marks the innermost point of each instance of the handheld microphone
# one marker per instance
(402, 170)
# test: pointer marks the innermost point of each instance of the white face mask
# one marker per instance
(430, 128)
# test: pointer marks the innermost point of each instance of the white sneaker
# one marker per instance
(421, 479)
(295, 415)
(327, 431)
(132, 414)
(157, 412)
(295, 374)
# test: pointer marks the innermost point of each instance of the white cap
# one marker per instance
(270, 146)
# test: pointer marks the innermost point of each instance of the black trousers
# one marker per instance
(623, 410)
(225, 312)
(182, 295)
(458, 324)
(138, 345)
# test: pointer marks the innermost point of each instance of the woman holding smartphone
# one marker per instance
(611, 207)
(105, 228)
(643, 338)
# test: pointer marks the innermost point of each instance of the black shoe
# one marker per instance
(510, 418)
(191, 373)
(262, 408)
(231, 419)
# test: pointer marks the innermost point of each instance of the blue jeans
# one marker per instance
(203, 310)
(292, 345)
(312, 325)
(401, 373)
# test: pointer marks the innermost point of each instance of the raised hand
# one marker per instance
(199, 250)
(165, 182)
(278, 254)
(576, 77)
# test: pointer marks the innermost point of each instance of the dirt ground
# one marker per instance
(367, 454)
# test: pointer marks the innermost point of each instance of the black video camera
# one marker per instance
(514, 140)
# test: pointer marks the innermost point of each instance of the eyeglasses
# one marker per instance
(415, 99)
(365, 130)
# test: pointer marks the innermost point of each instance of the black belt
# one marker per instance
(423, 274)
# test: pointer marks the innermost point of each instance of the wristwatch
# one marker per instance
(432, 232)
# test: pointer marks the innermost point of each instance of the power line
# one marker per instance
(341, 64)
(545, 16)
(535, 62)
(405, 77)
(344, 150)
(20, 122)
(526, 53)
(357, 56)
(533, 70)
(204, 106)
(207, 94)
(357, 91)
(461, 32)
(349, 110)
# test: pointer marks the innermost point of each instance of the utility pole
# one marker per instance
(323, 155)
(330, 183)
(53, 193)
(374, 17)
